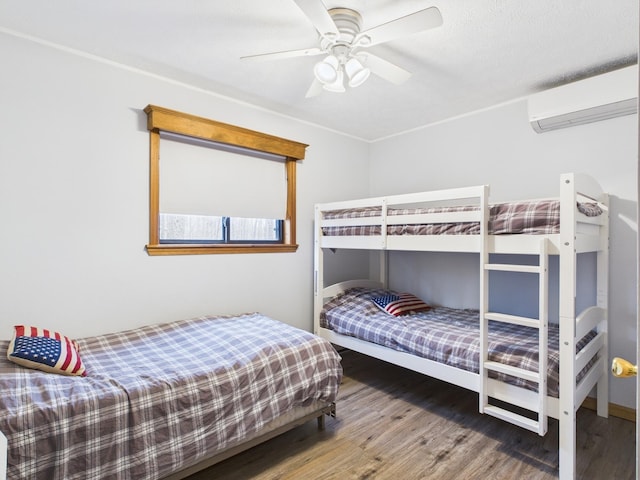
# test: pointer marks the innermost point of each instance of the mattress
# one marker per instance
(526, 217)
(160, 398)
(445, 335)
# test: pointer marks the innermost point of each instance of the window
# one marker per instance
(219, 188)
(208, 229)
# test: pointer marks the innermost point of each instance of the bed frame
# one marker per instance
(578, 234)
(293, 419)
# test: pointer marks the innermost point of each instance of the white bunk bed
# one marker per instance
(576, 233)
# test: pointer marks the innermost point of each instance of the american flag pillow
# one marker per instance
(45, 350)
(400, 304)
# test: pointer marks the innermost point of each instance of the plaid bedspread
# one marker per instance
(445, 335)
(526, 217)
(160, 398)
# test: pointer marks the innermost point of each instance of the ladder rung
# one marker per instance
(511, 417)
(513, 371)
(503, 317)
(504, 267)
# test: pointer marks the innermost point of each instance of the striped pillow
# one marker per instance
(400, 304)
(45, 350)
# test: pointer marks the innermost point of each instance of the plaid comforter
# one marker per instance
(445, 335)
(160, 398)
(526, 217)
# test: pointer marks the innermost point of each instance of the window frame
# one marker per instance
(161, 119)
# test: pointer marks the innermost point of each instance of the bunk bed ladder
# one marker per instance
(539, 377)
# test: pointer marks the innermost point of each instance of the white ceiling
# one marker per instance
(485, 53)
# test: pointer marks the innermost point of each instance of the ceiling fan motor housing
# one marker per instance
(349, 24)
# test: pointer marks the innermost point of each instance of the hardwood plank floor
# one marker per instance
(396, 424)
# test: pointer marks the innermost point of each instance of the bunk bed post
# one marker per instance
(318, 277)
(567, 319)
(543, 337)
(602, 389)
(484, 297)
(384, 268)
(384, 255)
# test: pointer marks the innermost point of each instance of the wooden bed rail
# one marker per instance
(434, 196)
(583, 185)
(338, 288)
(589, 319)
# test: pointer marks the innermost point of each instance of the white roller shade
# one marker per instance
(204, 178)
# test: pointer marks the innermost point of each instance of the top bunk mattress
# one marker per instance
(160, 398)
(533, 217)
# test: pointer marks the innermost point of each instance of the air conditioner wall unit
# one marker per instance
(609, 95)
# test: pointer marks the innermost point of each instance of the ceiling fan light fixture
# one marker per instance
(326, 71)
(356, 72)
(338, 85)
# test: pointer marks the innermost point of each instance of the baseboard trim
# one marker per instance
(619, 411)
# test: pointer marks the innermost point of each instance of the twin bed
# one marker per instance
(513, 362)
(167, 400)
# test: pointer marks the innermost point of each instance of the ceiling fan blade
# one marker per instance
(319, 16)
(384, 69)
(286, 54)
(400, 27)
(315, 89)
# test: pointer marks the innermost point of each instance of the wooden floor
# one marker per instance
(396, 424)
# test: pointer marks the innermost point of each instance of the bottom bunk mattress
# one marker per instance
(160, 398)
(444, 335)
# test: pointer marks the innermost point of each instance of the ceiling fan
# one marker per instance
(343, 44)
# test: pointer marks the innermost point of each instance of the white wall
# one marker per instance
(74, 201)
(499, 148)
